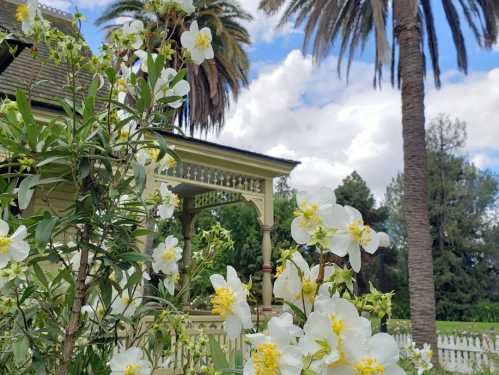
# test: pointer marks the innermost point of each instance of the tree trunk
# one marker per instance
(420, 262)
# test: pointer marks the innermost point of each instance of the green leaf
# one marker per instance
(111, 74)
(180, 76)
(44, 229)
(24, 107)
(217, 355)
(139, 172)
(145, 93)
(20, 350)
(30, 289)
(25, 192)
(40, 275)
(297, 311)
(134, 256)
(106, 291)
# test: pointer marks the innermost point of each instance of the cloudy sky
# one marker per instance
(295, 109)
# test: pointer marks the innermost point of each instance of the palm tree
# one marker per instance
(214, 81)
(352, 23)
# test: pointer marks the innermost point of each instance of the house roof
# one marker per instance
(46, 79)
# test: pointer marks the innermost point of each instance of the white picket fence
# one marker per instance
(462, 354)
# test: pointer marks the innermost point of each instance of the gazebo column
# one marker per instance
(187, 219)
(267, 223)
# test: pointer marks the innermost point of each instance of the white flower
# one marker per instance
(170, 281)
(315, 210)
(150, 155)
(163, 89)
(198, 43)
(133, 32)
(166, 256)
(186, 6)
(170, 202)
(124, 303)
(275, 353)
(384, 239)
(13, 247)
(129, 362)
(142, 55)
(420, 358)
(297, 282)
(26, 14)
(229, 302)
(378, 357)
(351, 235)
(320, 343)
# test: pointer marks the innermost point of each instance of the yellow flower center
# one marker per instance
(100, 311)
(154, 154)
(132, 369)
(368, 366)
(279, 270)
(337, 325)
(266, 359)
(121, 85)
(360, 232)
(126, 299)
(22, 12)
(169, 255)
(170, 162)
(124, 134)
(309, 289)
(202, 41)
(222, 301)
(309, 216)
(4, 244)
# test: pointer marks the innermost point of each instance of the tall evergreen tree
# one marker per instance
(461, 198)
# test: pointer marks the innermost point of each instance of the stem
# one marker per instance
(74, 322)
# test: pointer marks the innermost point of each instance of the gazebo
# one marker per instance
(208, 174)
(211, 175)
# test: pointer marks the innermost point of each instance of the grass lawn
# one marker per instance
(450, 327)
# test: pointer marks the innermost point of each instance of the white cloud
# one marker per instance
(263, 27)
(69, 5)
(299, 111)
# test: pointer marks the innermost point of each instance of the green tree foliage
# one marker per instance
(462, 215)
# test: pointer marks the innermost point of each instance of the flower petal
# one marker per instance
(232, 326)
(19, 250)
(4, 228)
(299, 235)
(354, 257)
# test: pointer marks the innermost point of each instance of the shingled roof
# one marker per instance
(44, 80)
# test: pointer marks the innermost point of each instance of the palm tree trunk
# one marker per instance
(420, 262)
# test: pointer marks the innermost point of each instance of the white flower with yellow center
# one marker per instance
(164, 89)
(352, 235)
(130, 362)
(170, 201)
(170, 281)
(275, 353)
(297, 282)
(166, 256)
(133, 32)
(315, 210)
(379, 356)
(125, 303)
(229, 302)
(26, 14)
(320, 343)
(198, 43)
(13, 247)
